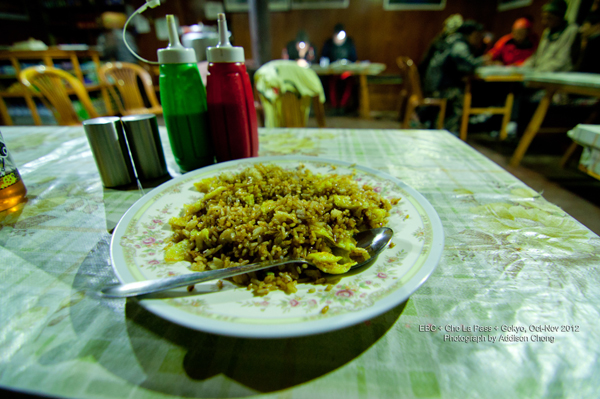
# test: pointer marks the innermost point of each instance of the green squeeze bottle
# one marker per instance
(183, 98)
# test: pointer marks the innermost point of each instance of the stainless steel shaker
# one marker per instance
(109, 148)
(145, 146)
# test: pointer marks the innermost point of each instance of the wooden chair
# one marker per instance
(288, 108)
(412, 91)
(292, 109)
(295, 108)
(124, 77)
(55, 86)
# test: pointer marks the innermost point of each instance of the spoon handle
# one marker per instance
(150, 286)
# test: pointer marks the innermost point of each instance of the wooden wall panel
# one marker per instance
(380, 36)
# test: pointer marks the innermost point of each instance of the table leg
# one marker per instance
(319, 111)
(532, 128)
(568, 154)
(32, 107)
(6, 119)
(466, 111)
(103, 90)
(365, 107)
(510, 98)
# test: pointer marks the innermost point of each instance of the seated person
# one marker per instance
(555, 53)
(589, 59)
(555, 49)
(300, 49)
(339, 47)
(517, 46)
(110, 43)
(451, 24)
(451, 63)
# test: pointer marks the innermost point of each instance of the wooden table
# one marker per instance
(362, 69)
(588, 136)
(490, 74)
(586, 84)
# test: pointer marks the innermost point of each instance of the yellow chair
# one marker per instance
(287, 91)
(55, 86)
(291, 109)
(412, 90)
(124, 77)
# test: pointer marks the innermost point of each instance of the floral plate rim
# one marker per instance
(164, 307)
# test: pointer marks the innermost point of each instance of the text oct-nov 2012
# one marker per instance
(499, 333)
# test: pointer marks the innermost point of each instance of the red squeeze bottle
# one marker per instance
(232, 116)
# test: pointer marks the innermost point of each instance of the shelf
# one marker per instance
(51, 56)
(19, 94)
(75, 27)
(71, 71)
(52, 53)
(86, 8)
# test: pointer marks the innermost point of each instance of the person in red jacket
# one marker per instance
(517, 46)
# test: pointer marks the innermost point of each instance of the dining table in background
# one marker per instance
(491, 74)
(584, 84)
(363, 70)
(512, 309)
(587, 136)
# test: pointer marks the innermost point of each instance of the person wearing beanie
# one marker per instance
(451, 24)
(517, 46)
(451, 63)
(300, 49)
(339, 47)
(554, 51)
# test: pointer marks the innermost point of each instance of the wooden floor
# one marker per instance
(570, 189)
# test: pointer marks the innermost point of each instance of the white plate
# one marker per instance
(137, 254)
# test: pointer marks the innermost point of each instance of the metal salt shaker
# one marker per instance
(109, 148)
(145, 146)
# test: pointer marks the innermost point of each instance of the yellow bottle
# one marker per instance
(12, 189)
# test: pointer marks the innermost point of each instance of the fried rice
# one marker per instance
(266, 212)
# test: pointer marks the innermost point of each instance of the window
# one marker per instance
(414, 4)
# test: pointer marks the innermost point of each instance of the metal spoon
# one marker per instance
(374, 241)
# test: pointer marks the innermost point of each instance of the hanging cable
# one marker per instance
(148, 3)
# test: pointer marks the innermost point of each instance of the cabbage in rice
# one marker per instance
(265, 213)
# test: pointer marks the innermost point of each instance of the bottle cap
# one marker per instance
(224, 51)
(175, 53)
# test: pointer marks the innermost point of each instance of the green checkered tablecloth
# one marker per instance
(511, 310)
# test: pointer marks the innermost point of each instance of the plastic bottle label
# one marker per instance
(9, 174)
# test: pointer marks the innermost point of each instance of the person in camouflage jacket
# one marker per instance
(452, 62)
